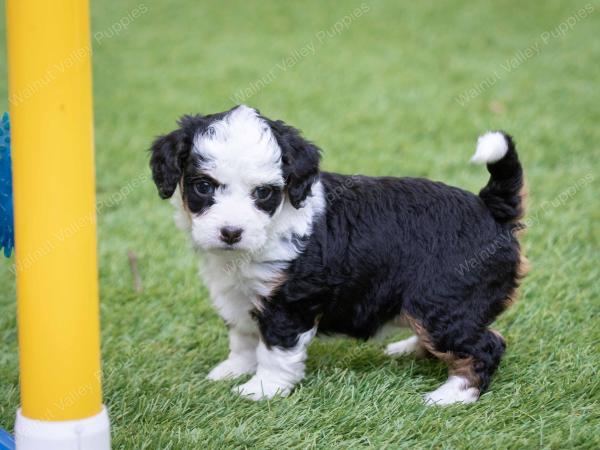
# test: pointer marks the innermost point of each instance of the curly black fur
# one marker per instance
(392, 246)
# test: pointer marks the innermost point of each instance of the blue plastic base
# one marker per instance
(6, 441)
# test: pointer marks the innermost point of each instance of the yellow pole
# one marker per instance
(50, 100)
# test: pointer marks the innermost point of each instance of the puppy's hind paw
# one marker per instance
(407, 346)
(455, 390)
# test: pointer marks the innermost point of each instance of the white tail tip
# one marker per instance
(491, 147)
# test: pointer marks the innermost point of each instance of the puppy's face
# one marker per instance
(234, 171)
(233, 182)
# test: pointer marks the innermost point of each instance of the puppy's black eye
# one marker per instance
(263, 193)
(204, 187)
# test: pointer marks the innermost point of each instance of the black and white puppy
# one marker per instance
(289, 251)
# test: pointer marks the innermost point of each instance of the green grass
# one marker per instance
(380, 98)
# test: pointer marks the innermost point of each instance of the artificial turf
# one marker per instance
(402, 88)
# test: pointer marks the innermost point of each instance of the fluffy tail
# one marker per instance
(503, 194)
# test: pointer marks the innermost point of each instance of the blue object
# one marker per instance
(6, 441)
(7, 229)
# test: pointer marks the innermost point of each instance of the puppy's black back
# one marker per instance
(391, 245)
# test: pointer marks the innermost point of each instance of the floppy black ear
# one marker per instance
(169, 154)
(300, 161)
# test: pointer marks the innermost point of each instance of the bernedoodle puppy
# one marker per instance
(289, 251)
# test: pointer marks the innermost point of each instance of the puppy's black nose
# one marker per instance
(231, 235)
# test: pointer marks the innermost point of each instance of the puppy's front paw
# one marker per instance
(260, 389)
(231, 368)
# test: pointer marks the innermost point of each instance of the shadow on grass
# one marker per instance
(368, 358)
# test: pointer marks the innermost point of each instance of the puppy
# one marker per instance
(289, 251)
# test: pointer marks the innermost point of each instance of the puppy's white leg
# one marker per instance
(242, 354)
(405, 347)
(455, 390)
(279, 369)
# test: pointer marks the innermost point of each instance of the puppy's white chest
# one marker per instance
(237, 284)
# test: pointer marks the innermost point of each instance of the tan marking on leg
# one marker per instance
(456, 366)
(464, 367)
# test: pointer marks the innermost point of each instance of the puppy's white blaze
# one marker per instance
(240, 149)
(404, 347)
(454, 390)
(278, 369)
(491, 147)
